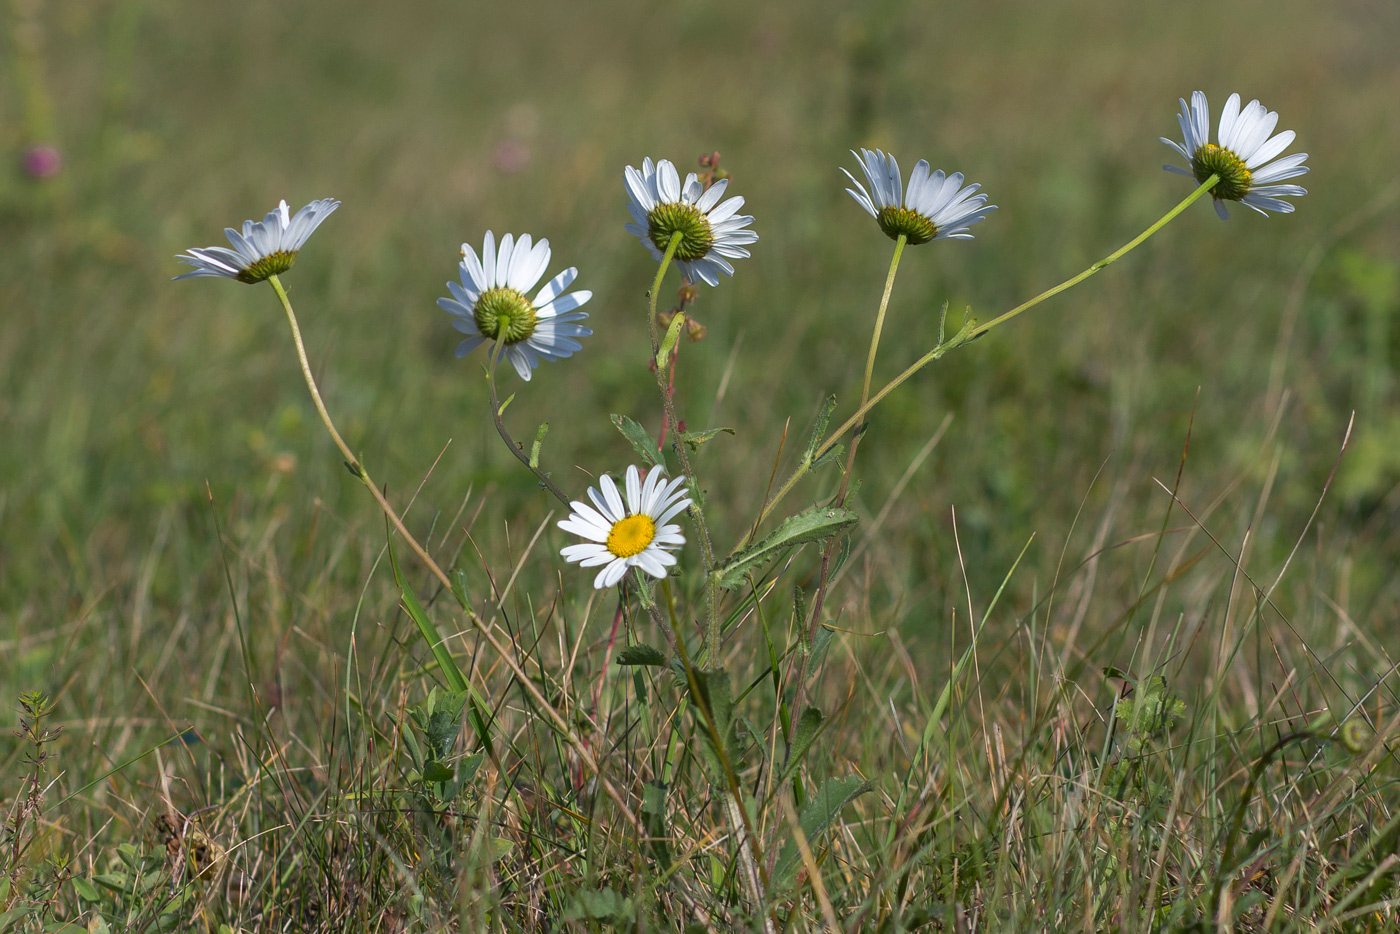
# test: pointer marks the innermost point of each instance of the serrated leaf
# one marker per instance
(819, 429)
(826, 805)
(810, 525)
(641, 442)
(718, 740)
(641, 655)
(440, 719)
(808, 726)
(696, 438)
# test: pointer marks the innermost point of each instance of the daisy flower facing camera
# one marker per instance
(490, 303)
(711, 233)
(1240, 157)
(935, 206)
(264, 249)
(631, 534)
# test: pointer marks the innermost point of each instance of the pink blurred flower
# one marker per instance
(511, 156)
(41, 161)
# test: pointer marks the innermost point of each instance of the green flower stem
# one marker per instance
(1109, 260)
(505, 652)
(497, 349)
(707, 552)
(970, 331)
(870, 368)
(880, 318)
(804, 657)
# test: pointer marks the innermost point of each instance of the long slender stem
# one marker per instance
(870, 369)
(707, 551)
(819, 600)
(505, 652)
(515, 448)
(975, 331)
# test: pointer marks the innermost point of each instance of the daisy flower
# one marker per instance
(265, 248)
(1240, 156)
(490, 303)
(634, 534)
(711, 233)
(935, 207)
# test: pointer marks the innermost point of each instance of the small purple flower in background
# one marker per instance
(41, 161)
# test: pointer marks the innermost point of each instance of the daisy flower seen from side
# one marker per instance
(490, 303)
(712, 233)
(628, 534)
(1240, 156)
(264, 249)
(934, 207)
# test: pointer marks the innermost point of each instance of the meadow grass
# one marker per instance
(1116, 585)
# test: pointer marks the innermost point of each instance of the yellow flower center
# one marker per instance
(1235, 177)
(895, 221)
(631, 536)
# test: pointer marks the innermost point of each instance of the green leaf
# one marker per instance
(86, 890)
(459, 587)
(820, 641)
(427, 630)
(808, 726)
(535, 448)
(696, 438)
(668, 343)
(641, 442)
(826, 805)
(654, 818)
(810, 525)
(599, 905)
(842, 554)
(435, 771)
(718, 739)
(466, 769)
(831, 454)
(641, 655)
(440, 719)
(819, 429)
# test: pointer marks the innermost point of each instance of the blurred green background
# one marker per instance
(128, 401)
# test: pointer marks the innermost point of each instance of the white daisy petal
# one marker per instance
(634, 536)
(936, 206)
(505, 274)
(1244, 156)
(690, 208)
(262, 249)
(610, 575)
(613, 498)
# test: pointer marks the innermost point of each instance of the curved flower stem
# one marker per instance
(506, 652)
(970, 331)
(511, 443)
(707, 552)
